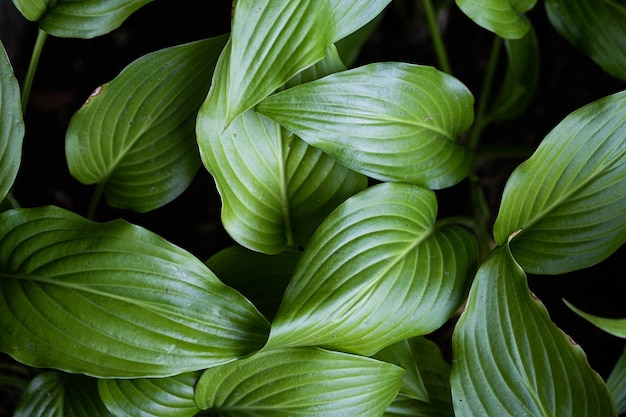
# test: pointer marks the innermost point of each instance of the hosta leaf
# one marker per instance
(351, 15)
(57, 394)
(78, 18)
(135, 135)
(568, 198)
(113, 300)
(511, 360)
(617, 383)
(275, 189)
(303, 382)
(596, 27)
(377, 271)
(616, 327)
(159, 397)
(391, 121)
(505, 18)
(11, 125)
(261, 278)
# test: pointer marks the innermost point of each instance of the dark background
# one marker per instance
(70, 69)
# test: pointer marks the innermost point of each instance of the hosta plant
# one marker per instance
(330, 174)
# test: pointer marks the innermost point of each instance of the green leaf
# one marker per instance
(57, 394)
(616, 327)
(135, 135)
(351, 15)
(511, 360)
(596, 27)
(505, 18)
(303, 382)
(377, 271)
(617, 383)
(350, 46)
(566, 204)
(159, 397)
(275, 189)
(11, 124)
(78, 18)
(391, 121)
(113, 300)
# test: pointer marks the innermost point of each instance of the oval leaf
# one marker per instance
(78, 18)
(377, 271)
(135, 135)
(511, 360)
(351, 15)
(505, 18)
(11, 125)
(568, 198)
(159, 397)
(304, 382)
(596, 28)
(113, 300)
(616, 327)
(617, 383)
(390, 121)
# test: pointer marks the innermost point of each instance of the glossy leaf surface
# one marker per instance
(78, 18)
(596, 27)
(509, 359)
(505, 18)
(568, 198)
(113, 300)
(377, 271)
(616, 327)
(617, 383)
(390, 121)
(303, 382)
(159, 397)
(136, 134)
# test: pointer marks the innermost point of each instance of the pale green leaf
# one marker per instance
(11, 125)
(566, 204)
(113, 300)
(351, 15)
(78, 18)
(596, 27)
(157, 397)
(617, 383)
(135, 135)
(509, 359)
(349, 47)
(377, 271)
(616, 327)
(505, 18)
(55, 394)
(302, 382)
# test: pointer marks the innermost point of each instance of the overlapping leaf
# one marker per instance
(511, 360)
(303, 382)
(616, 327)
(568, 199)
(11, 125)
(78, 18)
(505, 18)
(135, 135)
(158, 397)
(377, 271)
(617, 383)
(596, 27)
(113, 300)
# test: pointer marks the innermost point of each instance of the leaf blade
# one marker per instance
(503, 17)
(616, 327)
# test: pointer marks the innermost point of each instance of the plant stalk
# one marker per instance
(95, 199)
(435, 33)
(32, 67)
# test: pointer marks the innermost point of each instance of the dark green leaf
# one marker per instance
(505, 18)
(377, 271)
(616, 327)
(113, 300)
(303, 382)
(617, 383)
(509, 359)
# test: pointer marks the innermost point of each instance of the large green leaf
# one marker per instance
(505, 18)
(617, 383)
(56, 394)
(113, 300)
(616, 327)
(275, 189)
(511, 360)
(158, 397)
(11, 125)
(78, 18)
(377, 271)
(566, 203)
(303, 382)
(351, 15)
(596, 27)
(391, 121)
(135, 135)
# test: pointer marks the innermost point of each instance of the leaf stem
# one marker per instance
(435, 33)
(32, 67)
(95, 199)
